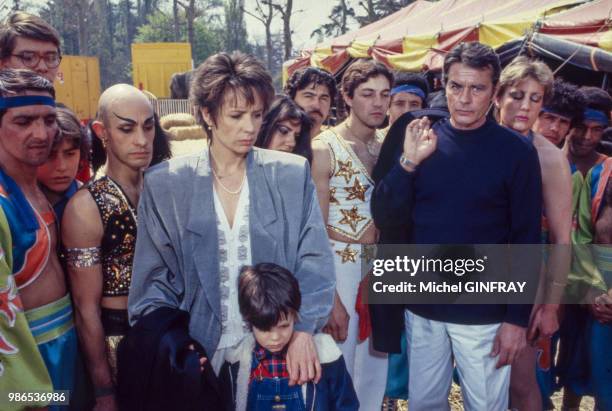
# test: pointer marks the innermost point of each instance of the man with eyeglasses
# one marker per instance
(29, 42)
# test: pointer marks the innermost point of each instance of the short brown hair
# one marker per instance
(267, 293)
(361, 71)
(521, 68)
(22, 24)
(235, 73)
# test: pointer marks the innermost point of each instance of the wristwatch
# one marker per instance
(407, 163)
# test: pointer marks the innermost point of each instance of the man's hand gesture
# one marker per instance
(419, 142)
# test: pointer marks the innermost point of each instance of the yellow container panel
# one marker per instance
(78, 85)
(153, 64)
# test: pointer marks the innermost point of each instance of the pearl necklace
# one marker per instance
(227, 190)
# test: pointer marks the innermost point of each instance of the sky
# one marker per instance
(313, 13)
(308, 16)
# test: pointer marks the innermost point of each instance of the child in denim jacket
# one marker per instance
(257, 378)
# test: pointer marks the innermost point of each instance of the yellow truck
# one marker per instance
(153, 64)
(78, 85)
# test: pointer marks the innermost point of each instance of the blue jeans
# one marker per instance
(274, 394)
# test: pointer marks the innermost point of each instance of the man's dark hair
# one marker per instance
(26, 25)
(17, 81)
(596, 99)
(361, 71)
(223, 73)
(566, 101)
(412, 79)
(309, 77)
(475, 55)
(267, 293)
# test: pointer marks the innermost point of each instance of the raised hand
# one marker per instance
(419, 141)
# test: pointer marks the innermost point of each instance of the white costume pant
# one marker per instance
(367, 367)
(432, 345)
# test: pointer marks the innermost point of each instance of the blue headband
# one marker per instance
(408, 88)
(21, 101)
(596, 115)
(555, 112)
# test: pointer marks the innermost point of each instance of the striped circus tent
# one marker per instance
(417, 37)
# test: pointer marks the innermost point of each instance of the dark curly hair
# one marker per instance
(304, 77)
(596, 99)
(282, 109)
(566, 101)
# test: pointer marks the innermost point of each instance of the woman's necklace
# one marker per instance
(227, 190)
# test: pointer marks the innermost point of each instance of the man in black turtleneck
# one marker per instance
(467, 180)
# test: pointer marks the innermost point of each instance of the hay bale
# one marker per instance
(186, 133)
(177, 120)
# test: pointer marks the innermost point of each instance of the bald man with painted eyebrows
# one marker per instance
(99, 230)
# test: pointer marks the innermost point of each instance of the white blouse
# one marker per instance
(234, 253)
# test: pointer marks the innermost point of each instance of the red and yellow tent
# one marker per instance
(418, 36)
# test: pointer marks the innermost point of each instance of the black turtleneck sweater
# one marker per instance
(480, 186)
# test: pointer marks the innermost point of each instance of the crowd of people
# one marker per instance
(231, 278)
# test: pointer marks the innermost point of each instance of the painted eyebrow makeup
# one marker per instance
(129, 120)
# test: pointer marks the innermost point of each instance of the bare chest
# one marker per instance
(366, 153)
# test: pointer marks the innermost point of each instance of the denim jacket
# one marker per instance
(334, 392)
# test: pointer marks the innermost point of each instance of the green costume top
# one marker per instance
(21, 366)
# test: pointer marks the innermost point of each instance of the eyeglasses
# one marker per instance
(31, 59)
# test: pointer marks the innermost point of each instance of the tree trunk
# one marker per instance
(83, 27)
(190, 19)
(287, 29)
(128, 23)
(343, 28)
(175, 14)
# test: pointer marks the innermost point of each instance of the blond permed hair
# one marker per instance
(521, 68)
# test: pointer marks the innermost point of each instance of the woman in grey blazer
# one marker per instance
(202, 217)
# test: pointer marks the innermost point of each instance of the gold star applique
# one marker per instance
(332, 196)
(351, 217)
(357, 191)
(348, 254)
(346, 170)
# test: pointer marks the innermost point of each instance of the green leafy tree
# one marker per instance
(235, 28)
(161, 29)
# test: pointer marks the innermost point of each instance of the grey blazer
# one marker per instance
(176, 261)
